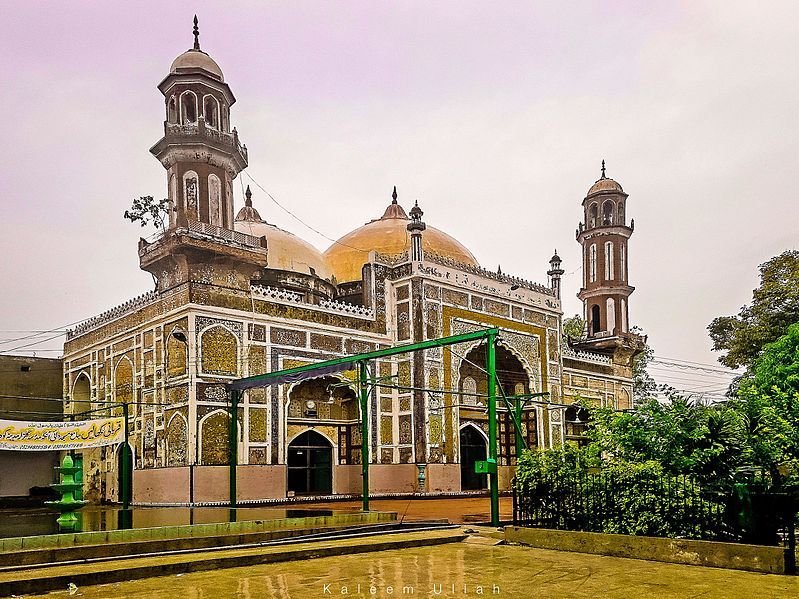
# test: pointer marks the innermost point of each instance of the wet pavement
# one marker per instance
(41, 521)
(455, 570)
(456, 510)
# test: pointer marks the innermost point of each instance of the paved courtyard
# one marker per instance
(458, 570)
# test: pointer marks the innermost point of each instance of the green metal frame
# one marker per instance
(360, 361)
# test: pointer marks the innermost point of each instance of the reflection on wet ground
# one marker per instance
(40, 521)
(456, 570)
(459, 510)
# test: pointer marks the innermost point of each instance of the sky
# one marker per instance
(494, 116)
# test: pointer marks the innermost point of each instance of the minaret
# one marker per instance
(416, 226)
(554, 273)
(201, 154)
(604, 236)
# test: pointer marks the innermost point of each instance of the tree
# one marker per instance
(574, 327)
(644, 386)
(774, 307)
(146, 210)
(768, 399)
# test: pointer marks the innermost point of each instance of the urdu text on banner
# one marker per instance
(21, 435)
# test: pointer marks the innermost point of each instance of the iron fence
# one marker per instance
(637, 503)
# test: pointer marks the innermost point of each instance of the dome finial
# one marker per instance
(394, 195)
(248, 197)
(603, 170)
(196, 34)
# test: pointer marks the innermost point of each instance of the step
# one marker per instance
(59, 576)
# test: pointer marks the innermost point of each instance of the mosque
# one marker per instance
(236, 296)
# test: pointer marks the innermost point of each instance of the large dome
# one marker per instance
(388, 235)
(284, 250)
(196, 59)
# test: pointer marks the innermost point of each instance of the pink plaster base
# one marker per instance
(443, 478)
(161, 485)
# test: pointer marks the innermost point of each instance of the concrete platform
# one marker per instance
(58, 577)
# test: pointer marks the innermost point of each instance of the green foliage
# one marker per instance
(768, 400)
(574, 327)
(637, 498)
(644, 386)
(683, 437)
(774, 307)
(146, 210)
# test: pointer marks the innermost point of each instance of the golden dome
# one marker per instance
(388, 235)
(284, 250)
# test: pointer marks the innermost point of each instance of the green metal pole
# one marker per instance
(521, 443)
(127, 471)
(491, 370)
(364, 389)
(233, 442)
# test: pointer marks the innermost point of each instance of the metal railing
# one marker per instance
(640, 503)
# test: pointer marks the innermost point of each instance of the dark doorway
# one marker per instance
(310, 465)
(473, 449)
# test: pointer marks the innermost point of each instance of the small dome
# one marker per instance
(196, 59)
(605, 184)
(284, 250)
(388, 235)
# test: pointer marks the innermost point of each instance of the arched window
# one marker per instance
(172, 111)
(211, 111)
(191, 194)
(224, 119)
(608, 209)
(621, 213)
(592, 263)
(173, 198)
(81, 394)
(608, 260)
(595, 325)
(610, 306)
(188, 108)
(593, 215)
(214, 200)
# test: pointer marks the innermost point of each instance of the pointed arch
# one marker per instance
(177, 440)
(188, 107)
(211, 111)
(81, 393)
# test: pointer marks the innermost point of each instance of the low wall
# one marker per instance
(393, 478)
(754, 558)
(161, 485)
(443, 478)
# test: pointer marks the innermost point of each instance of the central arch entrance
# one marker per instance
(310, 465)
(473, 449)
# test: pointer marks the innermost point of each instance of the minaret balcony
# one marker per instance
(192, 134)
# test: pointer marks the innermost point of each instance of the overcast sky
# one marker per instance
(495, 116)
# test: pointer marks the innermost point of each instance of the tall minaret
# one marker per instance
(201, 154)
(604, 236)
